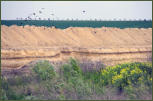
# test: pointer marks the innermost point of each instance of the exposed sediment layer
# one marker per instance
(108, 45)
(18, 58)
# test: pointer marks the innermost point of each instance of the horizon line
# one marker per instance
(81, 19)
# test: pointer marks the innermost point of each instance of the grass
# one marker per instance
(123, 81)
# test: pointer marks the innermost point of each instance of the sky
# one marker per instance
(82, 10)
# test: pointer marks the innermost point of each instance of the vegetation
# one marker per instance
(47, 72)
(90, 23)
(123, 81)
(124, 75)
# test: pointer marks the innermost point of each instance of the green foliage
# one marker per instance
(71, 70)
(31, 98)
(93, 78)
(75, 65)
(44, 70)
(134, 79)
(7, 93)
(61, 97)
(141, 91)
(127, 74)
(93, 24)
(72, 73)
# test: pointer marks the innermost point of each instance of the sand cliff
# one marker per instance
(21, 45)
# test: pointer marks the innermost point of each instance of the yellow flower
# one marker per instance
(140, 79)
(150, 79)
(116, 78)
(129, 82)
(133, 72)
(123, 70)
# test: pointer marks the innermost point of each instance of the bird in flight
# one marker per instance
(40, 11)
(83, 11)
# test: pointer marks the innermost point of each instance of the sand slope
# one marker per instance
(31, 36)
(22, 45)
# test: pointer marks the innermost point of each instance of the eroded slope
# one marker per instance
(20, 45)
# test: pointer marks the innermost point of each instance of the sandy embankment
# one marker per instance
(20, 46)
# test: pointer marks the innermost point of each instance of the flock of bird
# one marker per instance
(37, 17)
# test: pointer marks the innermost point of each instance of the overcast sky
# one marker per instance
(77, 9)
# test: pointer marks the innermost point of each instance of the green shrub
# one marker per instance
(127, 74)
(73, 74)
(135, 79)
(75, 65)
(44, 70)
(71, 70)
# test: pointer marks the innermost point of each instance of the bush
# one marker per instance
(71, 70)
(73, 75)
(44, 70)
(127, 74)
(135, 79)
(75, 65)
